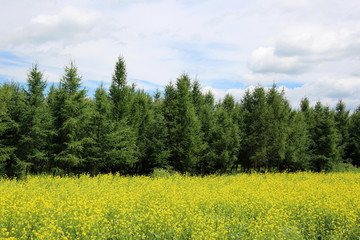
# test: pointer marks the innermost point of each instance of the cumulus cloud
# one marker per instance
(314, 44)
(319, 42)
(68, 25)
(336, 87)
(323, 59)
(265, 60)
(327, 90)
(299, 50)
(295, 4)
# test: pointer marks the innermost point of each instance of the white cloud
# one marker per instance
(295, 4)
(304, 48)
(69, 24)
(13, 73)
(319, 42)
(327, 90)
(314, 44)
(264, 60)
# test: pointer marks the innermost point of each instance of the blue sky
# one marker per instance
(310, 47)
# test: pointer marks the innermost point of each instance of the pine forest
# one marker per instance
(60, 130)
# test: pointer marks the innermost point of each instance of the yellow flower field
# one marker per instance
(255, 206)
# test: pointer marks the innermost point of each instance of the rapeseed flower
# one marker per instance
(255, 206)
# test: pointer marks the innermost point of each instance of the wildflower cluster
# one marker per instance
(256, 206)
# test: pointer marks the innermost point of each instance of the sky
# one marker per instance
(311, 48)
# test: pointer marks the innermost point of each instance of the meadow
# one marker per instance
(244, 206)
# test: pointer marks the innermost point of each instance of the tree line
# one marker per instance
(126, 130)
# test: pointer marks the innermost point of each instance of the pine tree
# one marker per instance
(184, 128)
(197, 96)
(325, 138)
(279, 111)
(36, 125)
(101, 126)
(206, 115)
(254, 149)
(12, 107)
(139, 119)
(71, 113)
(308, 112)
(354, 146)
(342, 118)
(6, 126)
(110, 146)
(309, 117)
(122, 151)
(247, 149)
(225, 140)
(297, 151)
(120, 92)
(152, 136)
(239, 121)
(71, 81)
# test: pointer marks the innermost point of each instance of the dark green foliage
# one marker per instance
(206, 116)
(12, 107)
(120, 92)
(140, 120)
(197, 96)
(35, 87)
(224, 141)
(101, 127)
(110, 145)
(325, 138)
(184, 128)
(36, 124)
(122, 151)
(354, 141)
(342, 118)
(71, 113)
(256, 129)
(128, 131)
(278, 113)
(297, 156)
(70, 83)
(7, 125)
(148, 120)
